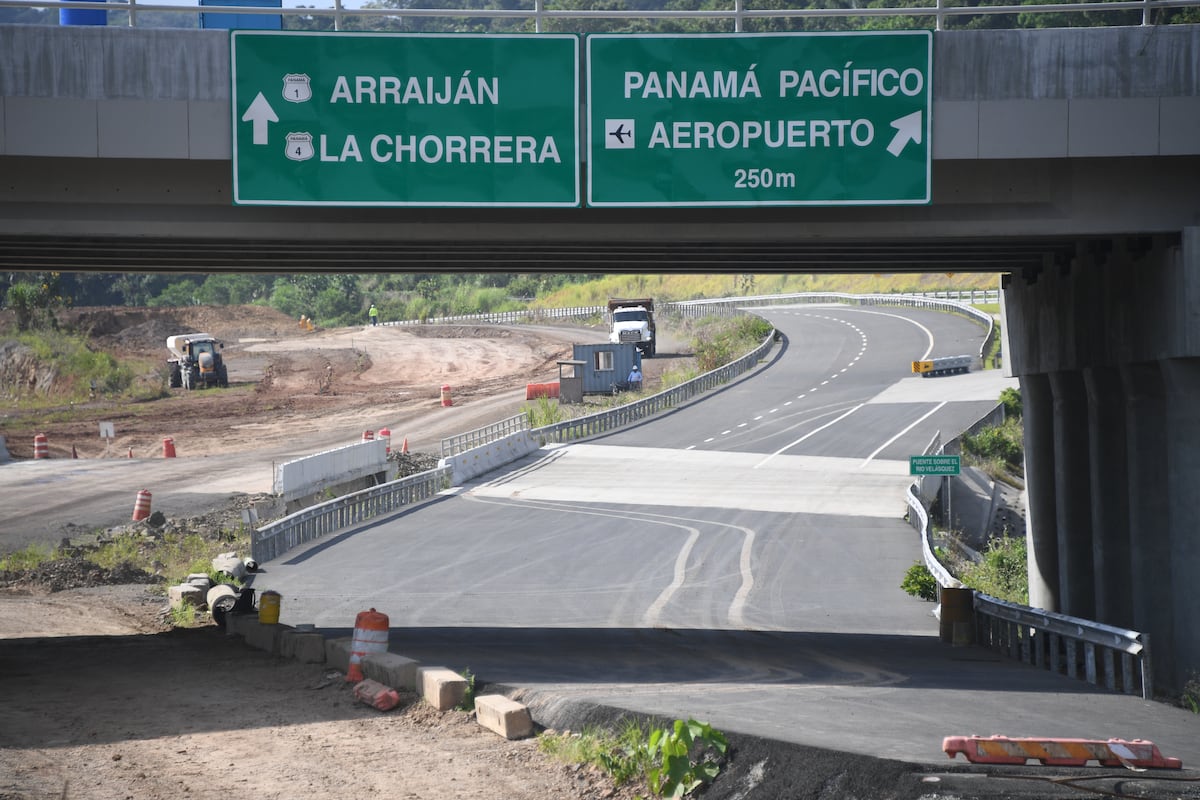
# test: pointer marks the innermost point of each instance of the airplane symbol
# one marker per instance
(619, 134)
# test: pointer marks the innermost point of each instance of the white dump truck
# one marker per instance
(196, 361)
(633, 322)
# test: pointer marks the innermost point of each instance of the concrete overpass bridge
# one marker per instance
(1066, 159)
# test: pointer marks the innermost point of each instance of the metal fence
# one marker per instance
(735, 17)
(461, 443)
(278, 537)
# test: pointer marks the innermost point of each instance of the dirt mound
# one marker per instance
(74, 573)
(145, 330)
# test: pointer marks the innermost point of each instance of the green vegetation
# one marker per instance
(919, 582)
(468, 701)
(172, 556)
(79, 373)
(998, 450)
(673, 761)
(1011, 400)
(543, 412)
(1004, 571)
(342, 299)
(716, 341)
(1190, 699)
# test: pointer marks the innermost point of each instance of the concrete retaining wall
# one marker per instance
(309, 475)
(479, 460)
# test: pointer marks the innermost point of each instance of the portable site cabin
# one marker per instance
(603, 365)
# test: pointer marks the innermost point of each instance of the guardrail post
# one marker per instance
(1089, 662)
(1072, 659)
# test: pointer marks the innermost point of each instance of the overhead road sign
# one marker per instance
(934, 465)
(803, 119)
(368, 119)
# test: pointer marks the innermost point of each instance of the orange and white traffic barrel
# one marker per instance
(386, 435)
(41, 446)
(446, 401)
(168, 447)
(141, 508)
(370, 636)
(368, 436)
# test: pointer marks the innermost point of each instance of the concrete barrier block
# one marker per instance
(186, 594)
(391, 670)
(506, 717)
(260, 636)
(440, 687)
(307, 647)
(337, 653)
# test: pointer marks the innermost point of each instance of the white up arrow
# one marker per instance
(908, 128)
(260, 113)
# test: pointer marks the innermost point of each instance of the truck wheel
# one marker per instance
(650, 351)
(223, 377)
(193, 377)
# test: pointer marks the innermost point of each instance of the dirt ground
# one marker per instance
(289, 385)
(100, 699)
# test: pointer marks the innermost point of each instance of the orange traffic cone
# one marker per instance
(404, 445)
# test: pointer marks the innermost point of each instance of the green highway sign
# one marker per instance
(934, 465)
(759, 119)
(371, 119)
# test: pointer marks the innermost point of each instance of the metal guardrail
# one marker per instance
(461, 443)
(1067, 645)
(1063, 644)
(278, 537)
(604, 421)
(735, 15)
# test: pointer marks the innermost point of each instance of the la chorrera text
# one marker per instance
(453, 149)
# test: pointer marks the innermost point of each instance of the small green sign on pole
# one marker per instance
(372, 119)
(934, 465)
(759, 119)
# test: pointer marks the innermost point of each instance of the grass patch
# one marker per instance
(1004, 571)
(78, 374)
(29, 557)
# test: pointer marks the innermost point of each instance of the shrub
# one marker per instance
(1004, 571)
(1005, 442)
(919, 582)
(1011, 400)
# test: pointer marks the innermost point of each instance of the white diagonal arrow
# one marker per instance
(908, 128)
(260, 113)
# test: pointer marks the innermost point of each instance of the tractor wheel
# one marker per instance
(222, 377)
(176, 378)
(193, 377)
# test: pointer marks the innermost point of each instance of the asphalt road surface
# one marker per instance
(736, 560)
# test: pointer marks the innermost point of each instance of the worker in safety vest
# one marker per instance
(373, 313)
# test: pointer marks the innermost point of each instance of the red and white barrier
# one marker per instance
(1059, 752)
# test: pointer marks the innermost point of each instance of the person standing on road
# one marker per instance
(373, 314)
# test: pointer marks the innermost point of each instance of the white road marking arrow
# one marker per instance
(908, 128)
(260, 113)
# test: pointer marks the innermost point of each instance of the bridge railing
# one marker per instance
(735, 16)
(1071, 646)
(461, 443)
(284, 534)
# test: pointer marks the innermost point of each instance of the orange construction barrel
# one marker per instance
(168, 447)
(446, 402)
(370, 636)
(386, 435)
(141, 507)
(41, 446)
(368, 436)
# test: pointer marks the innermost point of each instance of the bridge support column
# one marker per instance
(1041, 532)
(1110, 497)
(1072, 481)
(1183, 493)
(1149, 520)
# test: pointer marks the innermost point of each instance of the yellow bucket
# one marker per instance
(268, 607)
